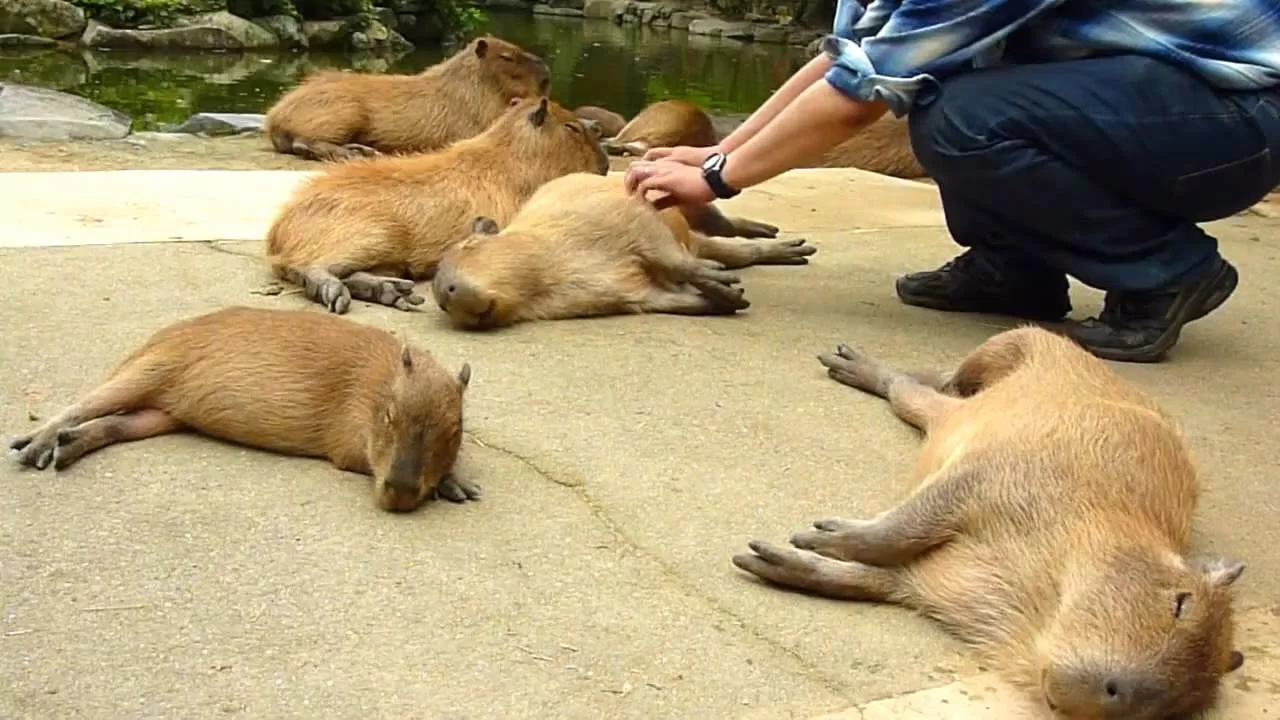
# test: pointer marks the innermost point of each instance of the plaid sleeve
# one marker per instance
(894, 50)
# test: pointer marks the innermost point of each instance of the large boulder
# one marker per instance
(209, 31)
(36, 113)
(44, 18)
(220, 124)
(286, 28)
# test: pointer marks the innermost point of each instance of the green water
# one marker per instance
(593, 62)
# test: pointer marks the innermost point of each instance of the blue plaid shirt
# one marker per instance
(897, 50)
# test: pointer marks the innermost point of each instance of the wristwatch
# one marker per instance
(711, 169)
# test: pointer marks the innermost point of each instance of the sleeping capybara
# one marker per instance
(666, 123)
(1049, 530)
(369, 228)
(334, 115)
(882, 147)
(294, 382)
(582, 247)
(609, 122)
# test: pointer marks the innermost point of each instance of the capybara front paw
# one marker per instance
(391, 292)
(329, 292)
(722, 297)
(786, 252)
(36, 449)
(755, 229)
(453, 489)
(850, 367)
(777, 564)
(834, 538)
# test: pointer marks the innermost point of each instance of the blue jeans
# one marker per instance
(1097, 168)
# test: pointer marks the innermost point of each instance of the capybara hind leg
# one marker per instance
(810, 572)
(321, 286)
(734, 254)
(389, 291)
(682, 303)
(76, 442)
(325, 151)
(989, 362)
(929, 518)
(455, 489)
(118, 394)
(708, 220)
(729, 298)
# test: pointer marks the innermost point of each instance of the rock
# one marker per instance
(387, 17)
(647, 16)
(541, 9)
(770, 34)
(570, 4)
(718, 28)
(286, 28)
(326, 33)
(738, 31)
(213, 31)
(420, 28)
(43, 18)
(602, 8)
(11, 40)
(811, 39)
(681, 19)
(379, 36)
(36, 113)
(219, 124)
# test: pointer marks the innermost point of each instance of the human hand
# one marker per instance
(683, 154)
(674, 183)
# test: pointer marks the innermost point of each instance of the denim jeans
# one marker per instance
(1097, 168)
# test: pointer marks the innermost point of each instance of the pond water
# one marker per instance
(593, 62)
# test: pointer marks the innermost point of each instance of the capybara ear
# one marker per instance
(484, 226)
(1235, 661)
(539, 115)
(482, 47)
(592, 127)
(1221, 572)
(406, 358)
(464, 375)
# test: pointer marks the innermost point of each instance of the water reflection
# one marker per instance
(593, 62)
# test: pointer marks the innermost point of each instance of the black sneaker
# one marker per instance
(1142, 327)
(968, 283)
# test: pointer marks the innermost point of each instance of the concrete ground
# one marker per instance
(624, 460)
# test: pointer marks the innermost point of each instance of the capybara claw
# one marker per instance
(20, 442)
(455, 490)
(788, 252)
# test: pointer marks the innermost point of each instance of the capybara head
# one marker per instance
(416, 432)
(515, 71)
(611, 123)
(1142, 641)
(467, 281)
(541, 132)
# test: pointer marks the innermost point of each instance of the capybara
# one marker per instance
(335, 115)
(609, 122)
(581, 247)
(666, 123)
(295, 382)
(882, 147)
(1049, 529)
(369, 228)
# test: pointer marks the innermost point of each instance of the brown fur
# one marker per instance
(582, 246)
(610, 123)
(288, 381)
(666, 123)
(883, 147)
(333, 115)
(369, 228)
(1049, 529)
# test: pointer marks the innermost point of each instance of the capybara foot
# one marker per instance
(329, 292)
(833, 538)
(754, 229)
(785, 252)
(453, 489)
(722, 296)
(35, 449)
(803, 570)
(850, 367)
(392, 292)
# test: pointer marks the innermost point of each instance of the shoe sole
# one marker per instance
(1209, 298)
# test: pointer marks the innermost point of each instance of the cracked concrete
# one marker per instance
(624, 460)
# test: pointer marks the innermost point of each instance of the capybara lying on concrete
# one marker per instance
(1049, 530)
(581, 247)
(369, 228)
(666, 123)
(333, 115)
(289, 381)
(609, 122)
(883, 147)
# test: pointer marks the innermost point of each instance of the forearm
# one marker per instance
(820, 118)
(784, 96)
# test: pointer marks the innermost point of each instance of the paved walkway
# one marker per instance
(624, 461)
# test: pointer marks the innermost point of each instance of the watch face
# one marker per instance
(712, 161)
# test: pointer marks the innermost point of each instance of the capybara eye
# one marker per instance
(574, 127)
(1179, 601)
(507, 57)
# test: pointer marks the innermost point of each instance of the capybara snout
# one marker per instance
(467, 303)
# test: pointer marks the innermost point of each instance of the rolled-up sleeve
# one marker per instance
(897, 50)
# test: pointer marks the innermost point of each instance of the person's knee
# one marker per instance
(956, 125)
